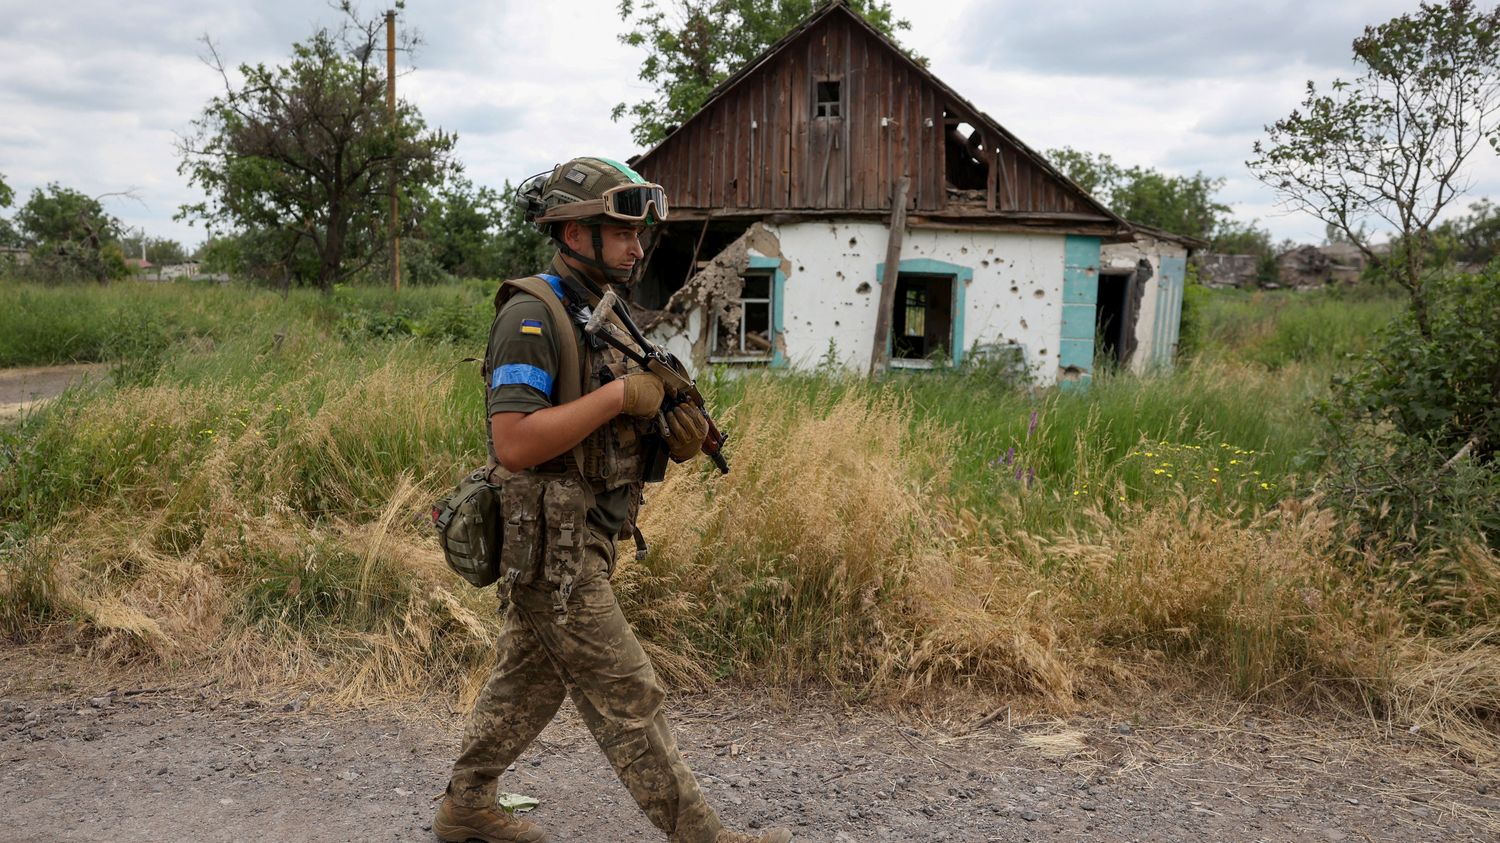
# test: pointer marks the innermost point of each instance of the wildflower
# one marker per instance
(1031, 428)
(1265, 485)
(1149, 454)
(1010, 454)
(1159, 471)
(1234, 462)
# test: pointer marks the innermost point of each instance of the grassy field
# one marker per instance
(249, 494)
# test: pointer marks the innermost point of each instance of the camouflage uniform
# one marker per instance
(593, 655)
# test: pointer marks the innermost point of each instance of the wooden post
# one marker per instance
(888, 278)
(390, 107)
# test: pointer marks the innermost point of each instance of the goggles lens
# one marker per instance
(632, 201)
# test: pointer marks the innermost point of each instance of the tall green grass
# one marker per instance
(1329, 327)
(83, 323)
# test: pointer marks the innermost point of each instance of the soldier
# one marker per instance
(574, 427)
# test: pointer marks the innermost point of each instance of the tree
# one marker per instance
(304, 153)
(1472, 238)
(9, 237)
(693, 45)
(1180, 204)
(71, 234)
(1390, 145)
(461, 225)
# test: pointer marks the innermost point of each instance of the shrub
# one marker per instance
(1410, 442)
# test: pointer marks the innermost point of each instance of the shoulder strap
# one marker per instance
(548, 288)
(550, 293)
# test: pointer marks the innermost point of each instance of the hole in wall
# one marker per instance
(1040, 294)
(864, 287)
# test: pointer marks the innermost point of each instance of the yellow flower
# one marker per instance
(1159, 471)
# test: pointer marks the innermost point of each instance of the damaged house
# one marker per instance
(785, 186)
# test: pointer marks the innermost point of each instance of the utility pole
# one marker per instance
(390, 107)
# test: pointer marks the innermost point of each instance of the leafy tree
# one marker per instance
(693, 45)
(1390, 145)
(7, 195)
(520, 247)
(303, 154)
(1180, 204)
(71, 234)
(461, 225)
(1473, 238)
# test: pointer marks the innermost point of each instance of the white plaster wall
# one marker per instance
(679, 338)
(1126, 256)
(832, 290)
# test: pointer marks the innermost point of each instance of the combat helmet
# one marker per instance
(593, 192)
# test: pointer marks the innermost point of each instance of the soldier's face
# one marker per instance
(622, 244)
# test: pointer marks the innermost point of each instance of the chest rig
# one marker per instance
(614, 454)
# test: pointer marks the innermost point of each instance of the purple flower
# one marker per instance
(1031, 428)
(1018, 472)
(1010, 454)
(1030, 476)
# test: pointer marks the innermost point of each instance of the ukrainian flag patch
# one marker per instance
(531, 326)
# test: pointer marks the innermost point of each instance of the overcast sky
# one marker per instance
(93, 94)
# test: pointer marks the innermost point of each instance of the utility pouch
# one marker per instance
(468, 529)
(521, 498)
(565, 507)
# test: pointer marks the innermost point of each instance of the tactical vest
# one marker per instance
(614, 454)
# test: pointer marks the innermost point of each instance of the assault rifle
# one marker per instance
(680, 388)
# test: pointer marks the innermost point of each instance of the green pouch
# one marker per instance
(468, 524)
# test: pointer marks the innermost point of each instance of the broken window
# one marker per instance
(965, 156)
(749, 336)
(828, 99)
(922, 323)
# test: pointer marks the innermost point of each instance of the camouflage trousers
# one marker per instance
(596, 659)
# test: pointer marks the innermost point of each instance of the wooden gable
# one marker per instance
(828, 120)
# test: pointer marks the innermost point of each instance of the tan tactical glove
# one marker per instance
(643, 394)
(688, 426)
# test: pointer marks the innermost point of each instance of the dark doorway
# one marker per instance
(1111, 320)
(922, 324)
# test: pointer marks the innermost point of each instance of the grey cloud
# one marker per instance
(1160, 38)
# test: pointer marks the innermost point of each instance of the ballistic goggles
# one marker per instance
(634, 204)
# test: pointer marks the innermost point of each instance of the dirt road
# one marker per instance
(22, 388)
(164, 763)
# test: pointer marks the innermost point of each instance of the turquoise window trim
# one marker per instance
(778, 306)
(1079, 307)
(962, 277)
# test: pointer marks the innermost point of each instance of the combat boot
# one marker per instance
(457, 823)
(775, 835)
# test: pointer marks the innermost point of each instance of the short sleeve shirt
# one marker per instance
(524, 356)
